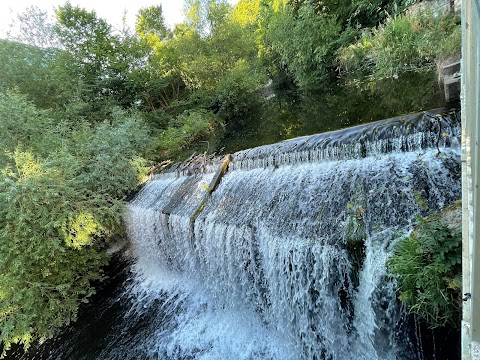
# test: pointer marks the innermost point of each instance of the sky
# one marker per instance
(111, 10)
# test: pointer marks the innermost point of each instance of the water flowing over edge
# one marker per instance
(436, 128)
(285, 257)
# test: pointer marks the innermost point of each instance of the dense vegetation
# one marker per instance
(427, 265)
(85, 109)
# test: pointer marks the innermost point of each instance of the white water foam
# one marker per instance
(264, 271)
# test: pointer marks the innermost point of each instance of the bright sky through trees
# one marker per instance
(111, 11)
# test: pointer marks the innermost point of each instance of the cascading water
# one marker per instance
(286, 258)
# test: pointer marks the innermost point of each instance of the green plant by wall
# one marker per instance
(427, 265)
(410, 42)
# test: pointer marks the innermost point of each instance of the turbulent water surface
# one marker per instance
(286, 258)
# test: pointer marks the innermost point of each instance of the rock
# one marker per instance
(452, 216)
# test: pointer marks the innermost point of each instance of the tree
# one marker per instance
(34, 27)
(150, 23)
(87, 38)
(305, 41)
(61, 191)
(93, 55)
(237, 92)
(246, 13)
(209, 44)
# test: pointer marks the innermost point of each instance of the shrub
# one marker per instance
(237, 93)
(190, 130)
(23, 125)
(111, 157)
(44, 278)
(411, 42)
(427, 266)
(60, 193)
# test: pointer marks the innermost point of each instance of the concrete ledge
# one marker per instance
(452, 87)
(451, 69)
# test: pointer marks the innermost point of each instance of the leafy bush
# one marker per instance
(23, 125)
(60, 193)
(111, 160)
(43, 278)
(427, 266)
(305, 41)
(192, 129)
(237, 92)
(411, 42)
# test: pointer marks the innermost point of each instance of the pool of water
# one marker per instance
(290, 114)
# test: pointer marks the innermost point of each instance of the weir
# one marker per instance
(284, 256)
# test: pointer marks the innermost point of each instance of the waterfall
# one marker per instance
(286, 257)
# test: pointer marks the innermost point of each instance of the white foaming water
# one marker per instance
(286, 259)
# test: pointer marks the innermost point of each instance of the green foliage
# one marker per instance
(368, 13)
(102, 60)
(43, 278)
(34, 72)
(246, 13)
(206, 16)
(450, 31)
(87, 39)
(412, 42)
(150, 23)
(192, 129)
(304, 40)
(80, 229)
(156, 85)
(427, 266)
(73, 146)
(111, 162)
(204, 57)
(61, 187)
(237, 92)
(23, 126)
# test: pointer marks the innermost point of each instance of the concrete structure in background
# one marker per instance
(452, 81)
(470, 178)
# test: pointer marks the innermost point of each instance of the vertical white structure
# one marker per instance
(470, 178)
